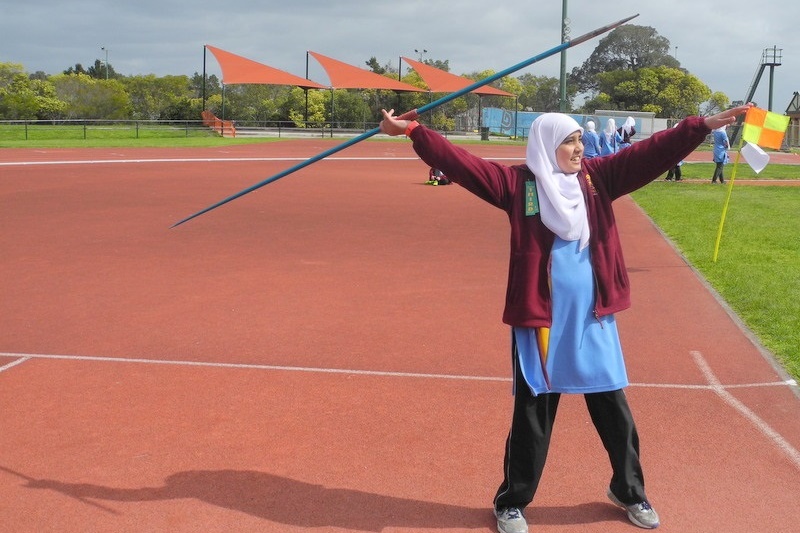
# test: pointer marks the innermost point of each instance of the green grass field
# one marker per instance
(95, 135)
(704, 171)
(757, 270)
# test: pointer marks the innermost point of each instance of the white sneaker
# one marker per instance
(642, 514)
(511, 520)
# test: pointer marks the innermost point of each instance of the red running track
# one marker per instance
(327, 353)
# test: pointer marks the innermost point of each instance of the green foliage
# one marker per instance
(374, 66)
(756, 269)
(81, 93)
(442, 122)
(349, 108)
(717, 103)
(212, 85)
(628, 47)
(631, 69)
(665, 91)
(255, 103)
(98, 71)
(541, 93)
(704, 171)
(87, 97)
(23, 98)
(295, 107)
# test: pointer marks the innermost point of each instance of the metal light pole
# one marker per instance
(564, 38)
(106, 51)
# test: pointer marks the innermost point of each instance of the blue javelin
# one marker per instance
(414, 113)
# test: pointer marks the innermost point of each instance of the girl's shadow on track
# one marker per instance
(288, 501)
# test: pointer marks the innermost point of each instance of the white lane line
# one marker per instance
(195, 160)
(713, 385)
(215, 160)
(785, 383)
(25, 356)
(729, 399)
(21, 360)
(256, 367)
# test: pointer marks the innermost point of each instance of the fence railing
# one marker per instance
(23, 130)
(38, 130)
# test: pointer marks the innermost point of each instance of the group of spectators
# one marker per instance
(612, 139)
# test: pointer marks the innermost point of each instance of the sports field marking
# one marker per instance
(194, 160)
(214, 160)
(729, 399)
(22, 357)
(14, 363)
(713, 383)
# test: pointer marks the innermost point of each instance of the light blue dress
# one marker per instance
(721, 145)
(610, 146)
(591, 144)
(585, 354)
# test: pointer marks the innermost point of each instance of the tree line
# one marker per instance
(631, 69)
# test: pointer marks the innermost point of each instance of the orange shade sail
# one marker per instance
(345, 76)
(238, 70)
(440, 81)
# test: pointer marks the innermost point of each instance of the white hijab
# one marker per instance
(589, 125)
(630, 122)
(560, 198)
(611, 130)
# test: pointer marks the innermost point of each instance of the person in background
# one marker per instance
(626, 131)
(610, 140)
(437, 177)
(566, 281)
(591, 141)
(721, 146)
(675, 172)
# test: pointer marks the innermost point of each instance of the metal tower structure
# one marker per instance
(770, 57)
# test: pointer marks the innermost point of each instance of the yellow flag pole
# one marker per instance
(727, 200)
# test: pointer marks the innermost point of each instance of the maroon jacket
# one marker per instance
(602, 179)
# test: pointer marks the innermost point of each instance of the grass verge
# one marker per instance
(758, 266)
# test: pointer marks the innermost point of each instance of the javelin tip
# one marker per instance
(599, 31)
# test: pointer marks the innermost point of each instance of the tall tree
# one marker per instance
(101, 71)
(25, 98)
(541, 93)
(77, 69)
(667, 92)
(628, 47)
(374, 66)
(87, 97)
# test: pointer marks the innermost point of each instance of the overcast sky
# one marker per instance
(719, 42)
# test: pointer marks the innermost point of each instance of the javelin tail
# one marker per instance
(283, 173)
(412, 114)
(36, 483)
